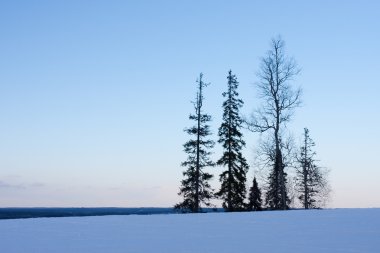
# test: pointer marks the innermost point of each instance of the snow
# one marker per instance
(335, 230)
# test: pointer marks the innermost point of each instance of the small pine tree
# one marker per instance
(195, 187)
(232, 191)
(255, 202)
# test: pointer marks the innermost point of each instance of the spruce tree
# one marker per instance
(310, 178)
(195, 187)
(232, 191)
(255, 202)
(276, 194)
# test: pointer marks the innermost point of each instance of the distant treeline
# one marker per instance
(22, 213)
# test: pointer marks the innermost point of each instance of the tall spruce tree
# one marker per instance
(280, 99)
(232, 191)
(310, 178)
(254, 199)
(195, 187)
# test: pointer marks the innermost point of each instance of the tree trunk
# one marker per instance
(197, 169)
(305, 165)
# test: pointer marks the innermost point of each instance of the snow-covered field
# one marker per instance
(322, 231)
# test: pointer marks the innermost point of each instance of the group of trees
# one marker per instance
(280, 100)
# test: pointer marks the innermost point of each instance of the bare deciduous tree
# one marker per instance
(280, 99)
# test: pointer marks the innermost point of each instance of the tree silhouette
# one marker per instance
(232, 191)
(255, 201)
(311, 180)
(195, 187)
(280, 100)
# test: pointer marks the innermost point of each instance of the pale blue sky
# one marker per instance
(94, 95)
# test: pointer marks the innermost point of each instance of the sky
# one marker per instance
(95, 95)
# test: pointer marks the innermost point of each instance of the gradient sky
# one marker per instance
(94, 95)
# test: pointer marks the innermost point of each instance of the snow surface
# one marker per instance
(339, 230)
